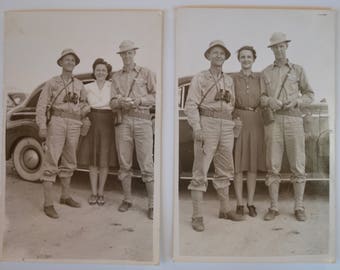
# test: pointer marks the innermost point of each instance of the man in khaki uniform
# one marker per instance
(209, 108)
(133, 94)
(286, 91)
(66, 96)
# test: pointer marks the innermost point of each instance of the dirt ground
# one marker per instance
(88, 233)
(253, 237)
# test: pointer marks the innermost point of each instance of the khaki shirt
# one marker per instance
(199, 86)
(51, 89)
(144, 87)
(296, 86)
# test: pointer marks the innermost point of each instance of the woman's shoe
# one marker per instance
(100, 200)
(240, 210)
(252, 210)
(92, 199)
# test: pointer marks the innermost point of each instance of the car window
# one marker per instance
(182, 95)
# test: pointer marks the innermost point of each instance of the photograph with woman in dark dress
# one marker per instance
(102, 130)
(249, 149)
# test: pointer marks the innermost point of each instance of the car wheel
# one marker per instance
(27, 159)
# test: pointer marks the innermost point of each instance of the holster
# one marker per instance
(267, 115)
(117, 117)
(48, 114)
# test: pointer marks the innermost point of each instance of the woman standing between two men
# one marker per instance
(249, 149)
(102, 130)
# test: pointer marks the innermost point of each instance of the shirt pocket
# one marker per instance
(292, 85)
(141, 83)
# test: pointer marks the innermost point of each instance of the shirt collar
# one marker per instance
(60, 80)
(135, 68)
(244, 75)
(287, 63)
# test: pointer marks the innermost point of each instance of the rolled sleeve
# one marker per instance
(85, 108)
(115, 95)
(305, 89)
(191, 106)
(264, 92)
(43, 101)
(149, 99)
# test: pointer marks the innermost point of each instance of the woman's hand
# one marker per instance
(274, 104)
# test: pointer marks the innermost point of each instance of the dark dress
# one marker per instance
(249, 151)
(101, 134)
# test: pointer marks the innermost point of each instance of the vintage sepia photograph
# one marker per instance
(82, 136)
(254, 136)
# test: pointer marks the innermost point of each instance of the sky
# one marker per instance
(312, 46)
(34, 40)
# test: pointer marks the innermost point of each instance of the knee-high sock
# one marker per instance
(299, 190)
(223, 196)
(197, 199)
(65, 187)
(48, 193)
(126, 185)
(150, 191)
(274, 195)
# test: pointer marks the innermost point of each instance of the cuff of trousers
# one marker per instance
(147, 179)
(198, 187)
(299, 208)
(65, 174)
(124, 174)
(274, 208)
(272, 178)
(221, 183)
(298, 178)
(48, 178)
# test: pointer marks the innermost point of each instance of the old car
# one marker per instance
(24, 146)
(316, 134)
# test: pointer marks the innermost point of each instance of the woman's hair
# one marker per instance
(99, 61)
(248, 48)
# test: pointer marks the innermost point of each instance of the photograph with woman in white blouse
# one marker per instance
(101, 132)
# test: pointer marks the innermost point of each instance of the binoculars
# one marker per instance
(223, 95)
(71, 97)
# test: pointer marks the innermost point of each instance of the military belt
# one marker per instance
(216, 114)
(139, 114)
(244, 108)
(66, 115)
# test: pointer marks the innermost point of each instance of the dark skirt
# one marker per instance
(249, 149)
(101, 136)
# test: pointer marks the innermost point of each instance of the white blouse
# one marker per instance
(99, 98)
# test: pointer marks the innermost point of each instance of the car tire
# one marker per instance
(27, 159)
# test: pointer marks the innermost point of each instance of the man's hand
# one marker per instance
(291, 104)
(126, 103)
(274, 104)
(43, 133)
(198, 135)
(137, 102)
